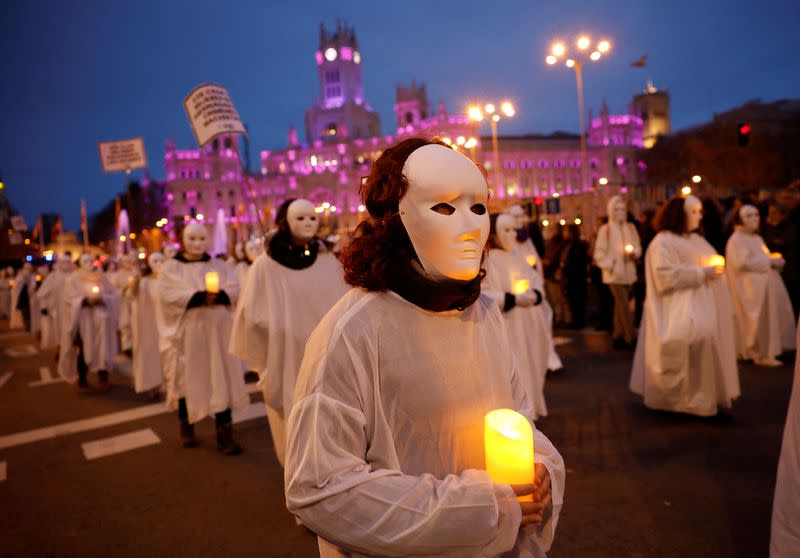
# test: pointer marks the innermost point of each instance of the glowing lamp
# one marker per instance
(95, 290)
(570, 63)
(775, 255)
(629, 248)
(38, 277)
(583, 43)
(508, 443)
(697, 178)
(551, 59)
(212, 282)
(559, 49)
(521, 285)
(531, 259)
(716, 261)
(595, 56)
(10, 282)
(685, 191)
(603, 181)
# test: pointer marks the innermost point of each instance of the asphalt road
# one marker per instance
(639, 483)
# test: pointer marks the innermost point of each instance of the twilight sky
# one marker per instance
(76, 72)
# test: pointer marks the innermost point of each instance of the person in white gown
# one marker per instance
(206, 379)
(764, 317)
(785, 539)
(385, 453)
(122, 279)
(88, 336)
(615, 252)
(524, 247)
(144, 307)
(287, 292)
(685, 358)
(510, 283)
(23, 287)
(51, 296)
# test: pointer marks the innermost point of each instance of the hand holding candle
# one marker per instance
(629, 249)
(716, 261)
(212, 282)
(531, 259)
(508, 442)
(521, 285)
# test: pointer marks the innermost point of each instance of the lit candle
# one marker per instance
(212, 282)
(38, 277)
(508, 442)
(10, 282)
(629, 248)
(531, 259)
(775, 255)
(95, 290)
(521, 285)
(716, 261)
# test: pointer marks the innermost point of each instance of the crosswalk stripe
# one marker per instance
(119, 444)
(46, 378)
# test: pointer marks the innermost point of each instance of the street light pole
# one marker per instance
(496, 155)
(584, 157)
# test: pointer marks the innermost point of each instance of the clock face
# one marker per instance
(357, 57)
(330, 54)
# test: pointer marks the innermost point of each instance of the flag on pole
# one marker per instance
(37, 231)
(57, 228)
(641, 63)
(84, 225)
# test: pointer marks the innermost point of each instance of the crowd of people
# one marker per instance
(378, 364)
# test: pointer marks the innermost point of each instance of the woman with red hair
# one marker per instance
(385, 439)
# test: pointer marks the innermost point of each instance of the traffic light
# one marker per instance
(743, 134)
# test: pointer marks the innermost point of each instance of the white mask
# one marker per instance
(518, 214)
(127, 261)
(155, 261)
(170, 250)
(693, 208)
(750, 218)
(253, 249)
(86, 262)
(505, 231)
(238, 251)
(195, 240)
(303, 221)
(444, 212)
(617, 210)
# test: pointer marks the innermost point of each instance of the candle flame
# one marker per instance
(629, 248)
(521, 285)
(531, 259)
(717, 261)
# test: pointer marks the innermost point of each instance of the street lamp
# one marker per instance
(490, 111)
(583, 54)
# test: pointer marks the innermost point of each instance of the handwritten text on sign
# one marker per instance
(211, 113)
(122, 155)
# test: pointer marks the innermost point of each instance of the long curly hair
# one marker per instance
(381, 238)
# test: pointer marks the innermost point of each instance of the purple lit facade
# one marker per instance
(343, 139)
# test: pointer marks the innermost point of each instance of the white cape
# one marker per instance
(94, 324)
(685, 358)
(764, 316)
(385, 453)
(526, 327)
(204, 372)
(50, 296)
(785, 542)
(528, 250)
(278, 309)
(144, 304)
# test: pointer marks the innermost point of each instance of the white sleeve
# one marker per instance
(669, 272)
(741, 258)
(601, 256)
(339, 484)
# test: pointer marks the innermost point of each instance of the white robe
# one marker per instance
(147, 371)
(50, 296)
(276, 313)
(764, 316)
(385, 453)
(785, 541)
(94, 324)
(685, 358)
(16, 320)
(204, 372)
(526, 249)
(120, 279)
(241, 273)
(526, 327)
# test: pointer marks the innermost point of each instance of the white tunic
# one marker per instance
(526, 327)
(16, 320)
(785, 542)
(385, 454)
(94, 324)
(764, 316)
(685, 358)
(147, 370)
(527, 249)
(277, 311)
(204, 373)
(121, 280)
(610, 256)
(50, 296)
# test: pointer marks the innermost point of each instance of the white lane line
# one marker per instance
(119, 444)
(111, 419)
(3, 471)
(46, 378)
(5, 378)
(23, 351)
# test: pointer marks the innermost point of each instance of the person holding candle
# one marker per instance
(685, 359)
(50, 295)
(512, 284)
(122, 279)
(88, 334)
(196, 294)
(286, 293)
(764, 318)
(615, 252)
(22, 293)
(385, 453)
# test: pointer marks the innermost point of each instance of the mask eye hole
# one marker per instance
(478, 209)
(300, 218)
(443, 209)
(313, 218)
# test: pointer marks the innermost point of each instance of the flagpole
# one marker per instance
(84, 225)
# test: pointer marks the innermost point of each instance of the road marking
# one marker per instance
(46, 378)
(111, 419)
(119, 444)
(3, 471)
(5, 378)
(23, 351)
